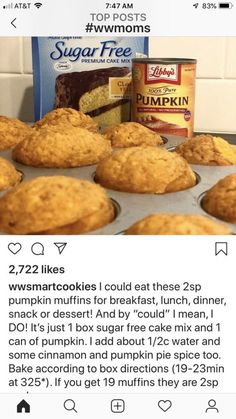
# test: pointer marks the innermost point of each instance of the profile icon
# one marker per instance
(212, 406)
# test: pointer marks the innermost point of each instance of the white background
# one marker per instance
(166, 18)
(118, 258)
(127, 257)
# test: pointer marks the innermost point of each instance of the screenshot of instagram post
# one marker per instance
(117, 209)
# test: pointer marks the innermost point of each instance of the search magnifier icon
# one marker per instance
(69, 405)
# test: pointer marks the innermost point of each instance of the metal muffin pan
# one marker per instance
(132, 207)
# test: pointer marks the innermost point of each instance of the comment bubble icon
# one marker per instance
(37, 249)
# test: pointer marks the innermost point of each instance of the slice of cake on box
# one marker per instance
(90, 92)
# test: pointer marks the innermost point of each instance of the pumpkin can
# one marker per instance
(163, 94)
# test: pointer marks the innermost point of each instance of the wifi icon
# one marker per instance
(38, 5)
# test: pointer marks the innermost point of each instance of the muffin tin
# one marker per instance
(132, 207)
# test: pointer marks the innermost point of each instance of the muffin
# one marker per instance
(207, 150)
(55, 204)
(12, 131)
(9, 176)
(58, 147)
(220, 201)
(129, 134)
(145, 170)
(67, 116)
(176, 224)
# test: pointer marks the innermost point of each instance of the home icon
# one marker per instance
(23, 407)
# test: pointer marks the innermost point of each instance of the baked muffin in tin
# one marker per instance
(67, 116)
(131, 134)
(12, 131)
(220, 200)
(176, 224)
(207, 150)
(55, 205)
(9, 176)
(145, 170)
(61, 148)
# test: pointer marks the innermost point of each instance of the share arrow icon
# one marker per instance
(60, 246)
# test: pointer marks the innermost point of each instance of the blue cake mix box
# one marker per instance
(90, 74)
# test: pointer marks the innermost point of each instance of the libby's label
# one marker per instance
(163, 97)
(159, 73)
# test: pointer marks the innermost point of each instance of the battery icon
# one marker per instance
(225, 5)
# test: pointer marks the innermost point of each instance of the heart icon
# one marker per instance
(164, 405)
(14, 248)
